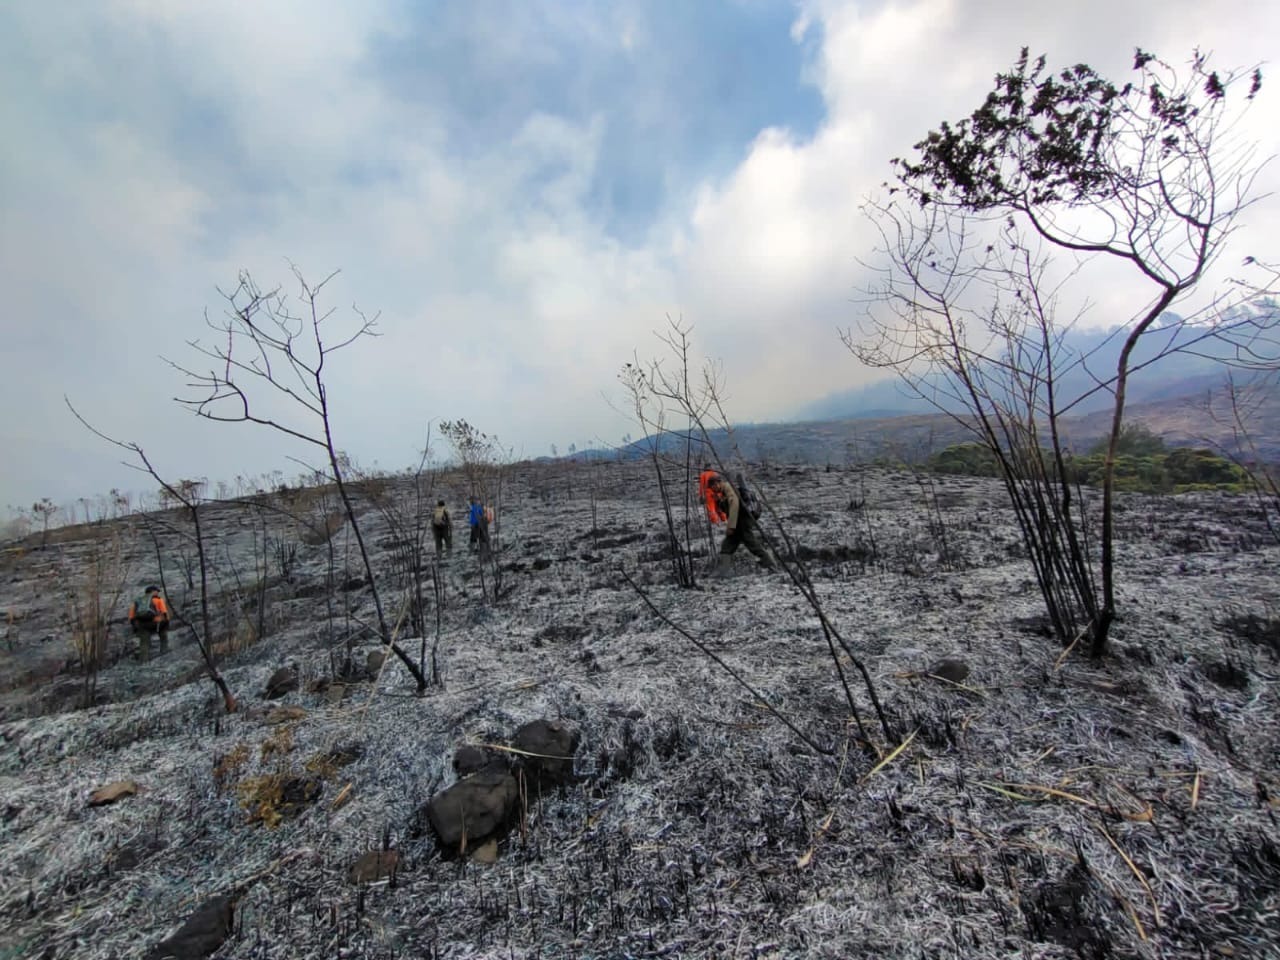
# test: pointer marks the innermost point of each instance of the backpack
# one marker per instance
(749, 501)
(441, 517)
(142, 609)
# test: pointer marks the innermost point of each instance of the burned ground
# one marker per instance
(1045, 806)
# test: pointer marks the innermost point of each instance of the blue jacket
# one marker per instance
(476, 514)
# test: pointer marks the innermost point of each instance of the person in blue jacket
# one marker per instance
(479, 525)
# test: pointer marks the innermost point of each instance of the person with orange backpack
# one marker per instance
(714, 513)
(740, 527)
(149, 617)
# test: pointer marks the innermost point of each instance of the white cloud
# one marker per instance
(505, 299)
(771, 264)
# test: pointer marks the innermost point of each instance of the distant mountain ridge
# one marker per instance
(1178, 410)
(1096, 353)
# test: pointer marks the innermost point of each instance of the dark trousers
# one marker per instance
(744, 535)
(443, 536)
(144, 631)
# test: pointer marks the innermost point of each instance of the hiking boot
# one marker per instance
(724, 567)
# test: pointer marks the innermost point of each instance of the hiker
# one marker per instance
(149, 617)
(442, 527)
(739, 526)
(478, 518)
(714, 513)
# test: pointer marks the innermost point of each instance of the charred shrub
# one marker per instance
(1227, 673)
(623, 758)
(671, 740)
(1256, 630)
(1064, 911)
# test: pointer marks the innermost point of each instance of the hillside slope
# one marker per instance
(1042, 805)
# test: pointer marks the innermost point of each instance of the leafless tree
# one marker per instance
(483, 460)
(407, 506)
(44, 510)
(268, 351)
(187, 494)
(700, 402)
(1239, 406)
(1148, 176)
(653, 393)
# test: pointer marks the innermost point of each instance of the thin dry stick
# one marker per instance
(825, 751)
(1071, 646)
(1155, 906)
(807, 857)
(891, 757)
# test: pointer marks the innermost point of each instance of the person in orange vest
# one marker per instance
(740, 526)
(714, 513)
(149, 617)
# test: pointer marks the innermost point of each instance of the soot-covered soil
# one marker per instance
(1042, 806)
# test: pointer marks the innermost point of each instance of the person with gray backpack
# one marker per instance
(442, 527)
(149, 617)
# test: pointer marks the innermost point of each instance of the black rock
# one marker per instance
(948, 668)
(473, 809)
(284, 680)
(468, 759)
(546, 750)
(201, 934)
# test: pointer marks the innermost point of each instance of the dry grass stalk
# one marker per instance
(91, 601)
(343, 797)
(1155, 906)
(891, 757)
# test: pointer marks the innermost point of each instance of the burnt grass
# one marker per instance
(1046, 806)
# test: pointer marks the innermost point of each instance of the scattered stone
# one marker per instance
(112, 792)
(285, 714)
(129, 855)
(948, 668)
(487, 852)
(468, 759)
(472, 810)
(373, 663)
(201, 934)
(374, 866)
(284, 680)
(335, 692)
(547, 748)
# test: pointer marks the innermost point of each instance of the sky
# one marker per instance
(522, 192)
